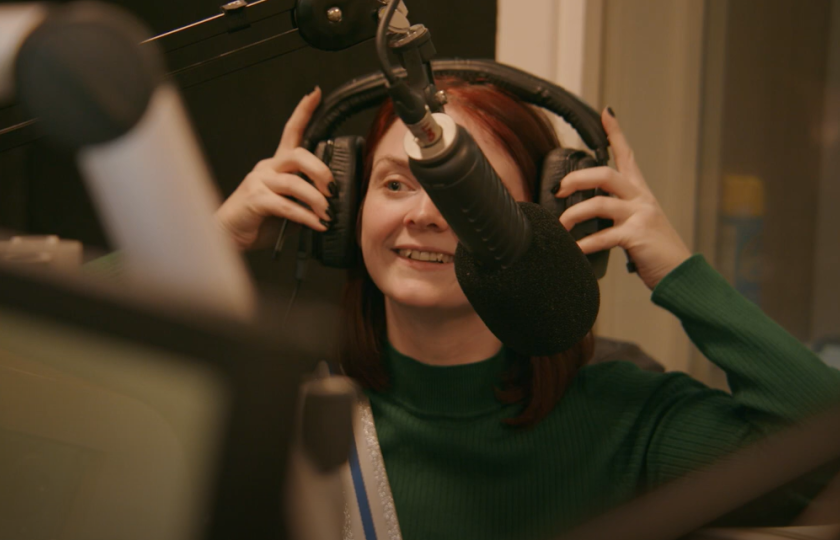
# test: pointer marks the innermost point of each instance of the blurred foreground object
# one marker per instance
(81, 71)
(44, 252)
(122, 419)
(705, 496)
(817, 532)
(317, 492)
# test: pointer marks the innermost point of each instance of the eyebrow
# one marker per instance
(390, 160)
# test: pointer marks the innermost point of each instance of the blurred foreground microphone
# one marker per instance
(80, 69)
(520, 269)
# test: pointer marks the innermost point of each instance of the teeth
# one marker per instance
(425, 256)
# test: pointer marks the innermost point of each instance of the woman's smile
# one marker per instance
(424, 259)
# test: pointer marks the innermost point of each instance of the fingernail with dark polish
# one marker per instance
(555, 189)
(330, 214)
(333, 187)
(612, 112)
(325, 223)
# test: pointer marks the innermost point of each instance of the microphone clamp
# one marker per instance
(430, 138)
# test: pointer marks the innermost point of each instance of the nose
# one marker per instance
(425, 215)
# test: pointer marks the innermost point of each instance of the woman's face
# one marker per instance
(402, 229)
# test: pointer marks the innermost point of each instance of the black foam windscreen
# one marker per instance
(544, 303)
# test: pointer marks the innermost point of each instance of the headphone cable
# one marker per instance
(305, 239)
(298, 283)
(301, 264)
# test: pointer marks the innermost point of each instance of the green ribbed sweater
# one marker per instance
(456, 471)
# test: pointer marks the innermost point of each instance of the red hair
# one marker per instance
(527, 136)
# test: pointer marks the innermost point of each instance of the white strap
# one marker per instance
(369, 512)
(352, 502)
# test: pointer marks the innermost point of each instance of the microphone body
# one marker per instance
(523, 273)
(476, 204)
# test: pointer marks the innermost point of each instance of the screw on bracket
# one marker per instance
(334, 15)
(235, 15)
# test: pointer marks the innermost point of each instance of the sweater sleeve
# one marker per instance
(775, 380)
(773, 376)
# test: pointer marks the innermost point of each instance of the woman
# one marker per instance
(479, 442)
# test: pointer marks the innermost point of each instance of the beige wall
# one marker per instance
(526, 38)
(651, 78)
(558, 40)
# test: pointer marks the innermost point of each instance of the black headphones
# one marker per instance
(337, 247)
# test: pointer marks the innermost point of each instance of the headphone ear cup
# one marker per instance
(337, 247)
(556, 165)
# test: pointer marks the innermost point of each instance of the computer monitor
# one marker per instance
(127, 420)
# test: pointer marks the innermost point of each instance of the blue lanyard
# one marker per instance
(361, 494)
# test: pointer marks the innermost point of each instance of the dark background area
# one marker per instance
(238, 103)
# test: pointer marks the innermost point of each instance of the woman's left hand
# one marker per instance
(640, 225)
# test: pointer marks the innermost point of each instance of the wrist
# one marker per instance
(679, 272)
(221, 225)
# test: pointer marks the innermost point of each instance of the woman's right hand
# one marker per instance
(249, 214)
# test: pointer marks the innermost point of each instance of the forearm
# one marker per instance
(769, 371)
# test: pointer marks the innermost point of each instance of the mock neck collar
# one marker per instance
(461, 391)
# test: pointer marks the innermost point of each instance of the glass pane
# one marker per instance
(774, 90)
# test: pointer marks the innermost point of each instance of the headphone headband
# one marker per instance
(369, 91)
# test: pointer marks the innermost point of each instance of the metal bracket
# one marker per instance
(399, 21)
(333, 25)
(235, 16)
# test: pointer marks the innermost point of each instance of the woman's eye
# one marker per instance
(396, 184)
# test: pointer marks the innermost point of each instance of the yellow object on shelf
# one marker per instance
(739, 242)
(743, 195)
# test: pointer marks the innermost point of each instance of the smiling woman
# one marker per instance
(388, 286)
(480, 442)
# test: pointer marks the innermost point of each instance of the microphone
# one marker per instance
(135, 148)
(521, 270)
